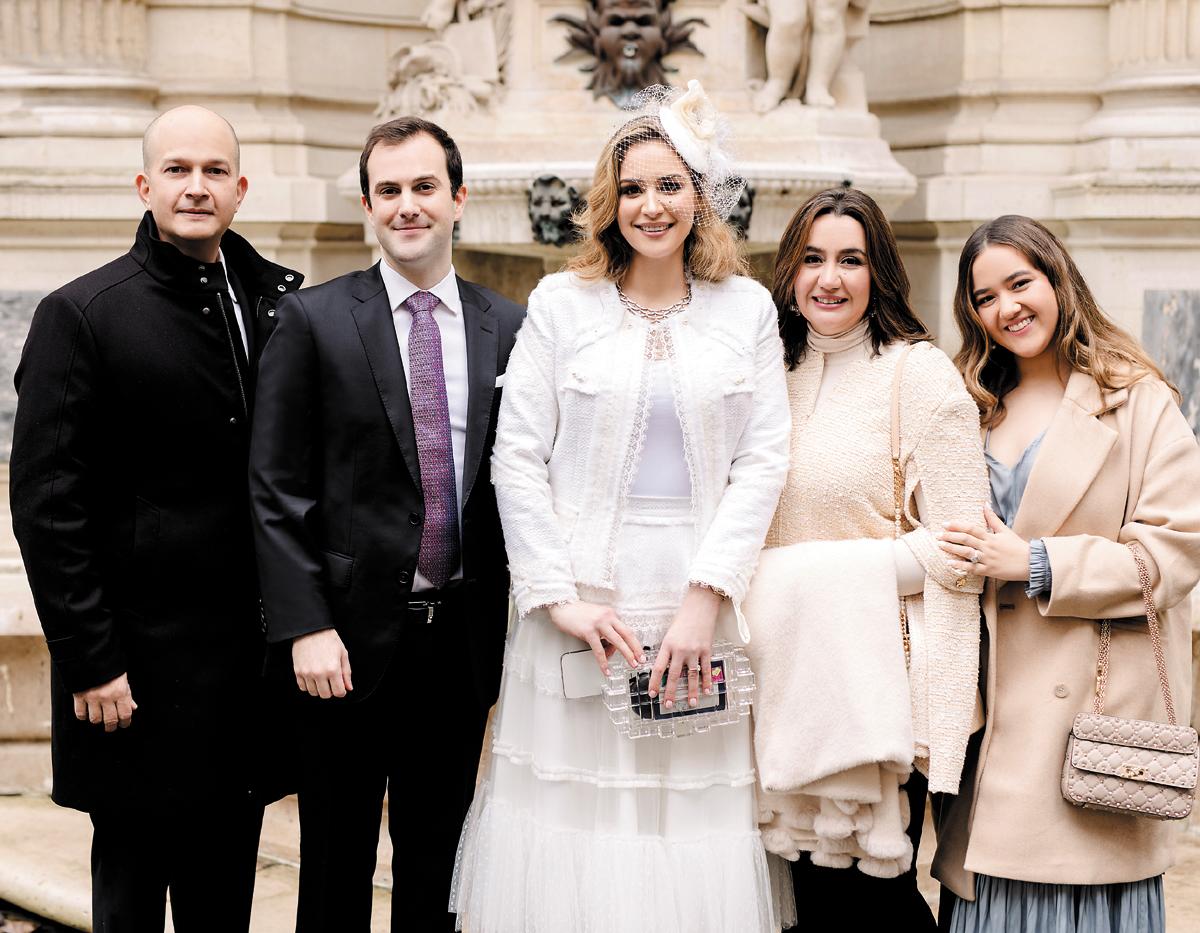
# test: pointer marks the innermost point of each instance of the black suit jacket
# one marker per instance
(131, 507)
(336, 482)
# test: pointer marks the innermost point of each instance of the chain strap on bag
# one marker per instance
(1130, 765)
(898, 493)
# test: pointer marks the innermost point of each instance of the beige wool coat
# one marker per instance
(1112, 470)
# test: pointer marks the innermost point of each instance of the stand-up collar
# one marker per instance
(172, 268)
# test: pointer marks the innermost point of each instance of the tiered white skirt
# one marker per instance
(577, 829)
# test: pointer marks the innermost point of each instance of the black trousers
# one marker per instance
(418, 737)
(204, 854)
(866, 903)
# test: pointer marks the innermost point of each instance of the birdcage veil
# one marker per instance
(696, 135)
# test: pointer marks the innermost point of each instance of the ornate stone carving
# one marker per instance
(740, 218)
(807, 42)
(626, 41)
(459, 70)
(552, 205)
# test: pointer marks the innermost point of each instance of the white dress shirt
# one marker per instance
(237, 308)
(449, 318)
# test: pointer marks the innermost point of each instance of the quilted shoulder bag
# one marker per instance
(1129, 765)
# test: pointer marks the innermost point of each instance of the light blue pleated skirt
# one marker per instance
(1005, 906)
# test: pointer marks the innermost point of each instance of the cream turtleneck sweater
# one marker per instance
(839, 487)
(840, 351)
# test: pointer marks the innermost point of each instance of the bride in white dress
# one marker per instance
(641, 448)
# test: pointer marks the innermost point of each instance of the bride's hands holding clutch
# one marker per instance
(688, 642)
(600, 628)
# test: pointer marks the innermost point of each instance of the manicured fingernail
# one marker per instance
(641, 659)
(708, 691)
(669, 703)
(692, 701)
(607, 672)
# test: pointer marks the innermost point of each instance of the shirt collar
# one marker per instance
(400, 289)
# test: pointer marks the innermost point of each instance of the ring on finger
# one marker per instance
(975, 555)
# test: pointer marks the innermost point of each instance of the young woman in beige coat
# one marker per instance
(1087, 451)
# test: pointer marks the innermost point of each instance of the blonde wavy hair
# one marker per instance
(710, 253)
(1085, 339)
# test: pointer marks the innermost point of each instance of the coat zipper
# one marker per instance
(233, 353)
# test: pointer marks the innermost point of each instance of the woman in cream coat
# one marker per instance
(641, 447)
(1103, 467)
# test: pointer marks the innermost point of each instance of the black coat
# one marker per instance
(336, 480)
(131, 508)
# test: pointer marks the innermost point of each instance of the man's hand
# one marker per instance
(322, 664)
(110, 703)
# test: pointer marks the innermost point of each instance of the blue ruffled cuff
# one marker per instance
(1040, 579)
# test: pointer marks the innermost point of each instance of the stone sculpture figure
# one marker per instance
(552, 205)
(627, 41)
(807, 42)
(742, 212)
(457, 71)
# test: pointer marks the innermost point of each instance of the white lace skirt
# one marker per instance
(577, 829)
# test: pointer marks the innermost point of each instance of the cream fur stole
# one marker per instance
(833, 724)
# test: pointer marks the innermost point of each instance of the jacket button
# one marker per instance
(205, 310)
(270, 314)
(282, 288)
(233, 421)
(203, 280)
(414, 518)
(404, 577)
(289, 278)
(1061, 691)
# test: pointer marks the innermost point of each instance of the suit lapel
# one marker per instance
(482, 344)
(373, 318)
(1072, 453)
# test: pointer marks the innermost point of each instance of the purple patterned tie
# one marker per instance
(438, 558)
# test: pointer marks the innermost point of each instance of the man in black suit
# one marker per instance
(380, 550)
(131, 506)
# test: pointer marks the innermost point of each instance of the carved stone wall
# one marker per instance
(1099, 136)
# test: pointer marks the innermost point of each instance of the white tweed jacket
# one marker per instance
(573, 418)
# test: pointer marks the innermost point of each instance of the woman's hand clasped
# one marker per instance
(688, 644)
(601, 629)
(993, 550)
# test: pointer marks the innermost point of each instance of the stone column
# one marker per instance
(1149, 120)
(72, 56)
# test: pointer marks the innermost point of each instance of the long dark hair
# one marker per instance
(889, 314)
(1085, 339)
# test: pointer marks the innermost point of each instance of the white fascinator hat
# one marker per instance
(692, 126)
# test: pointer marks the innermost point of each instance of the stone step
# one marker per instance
(45, 866)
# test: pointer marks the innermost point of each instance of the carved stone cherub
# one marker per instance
(807, 42)
(627, 40)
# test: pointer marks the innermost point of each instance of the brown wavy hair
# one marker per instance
(710, 252)
(1085, 339)
(889, 314)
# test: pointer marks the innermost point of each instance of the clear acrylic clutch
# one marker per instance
(636, 714)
